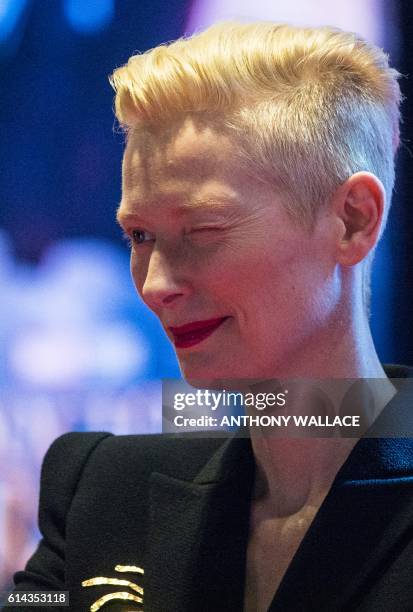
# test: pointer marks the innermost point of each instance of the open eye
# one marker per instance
(139, 236)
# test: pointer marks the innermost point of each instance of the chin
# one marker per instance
(206, 378)
(202, 380)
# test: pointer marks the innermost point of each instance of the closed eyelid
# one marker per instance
(211, 228)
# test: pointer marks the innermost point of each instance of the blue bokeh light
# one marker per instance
(10, 12)
(89, 16)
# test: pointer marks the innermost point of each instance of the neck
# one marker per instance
(343, 348)
(297, 473)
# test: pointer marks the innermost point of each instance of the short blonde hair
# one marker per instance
(309, 106)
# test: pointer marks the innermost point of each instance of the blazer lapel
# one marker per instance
(350, 543)
(364, 521)
(198, 534)
(198, 530)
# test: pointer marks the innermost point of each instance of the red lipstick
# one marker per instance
(193, 333)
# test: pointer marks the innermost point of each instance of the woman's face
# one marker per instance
(241, 291)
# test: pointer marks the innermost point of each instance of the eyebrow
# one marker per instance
(212, 203)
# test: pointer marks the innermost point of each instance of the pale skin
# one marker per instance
(210, 240)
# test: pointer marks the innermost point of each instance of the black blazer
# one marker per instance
(178, 507)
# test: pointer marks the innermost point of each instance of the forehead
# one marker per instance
(189, 152)
(190, 168)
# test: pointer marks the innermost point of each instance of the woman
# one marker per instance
(257, 180)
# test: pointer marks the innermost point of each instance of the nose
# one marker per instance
(164, 283)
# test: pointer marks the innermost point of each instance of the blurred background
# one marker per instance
(77, 349)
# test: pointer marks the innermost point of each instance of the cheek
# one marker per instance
(244, 284)
(225, 281)
(276, 283)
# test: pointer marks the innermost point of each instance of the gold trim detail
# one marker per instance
(123, 595)
(133, 569)
(102, 580)
(110, 597)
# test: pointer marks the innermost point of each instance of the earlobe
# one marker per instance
(359, 206)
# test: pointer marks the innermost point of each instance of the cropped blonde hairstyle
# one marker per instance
(309, 107)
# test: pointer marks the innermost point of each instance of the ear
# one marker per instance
(358, 206)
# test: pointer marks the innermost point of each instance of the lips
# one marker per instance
(194, 333)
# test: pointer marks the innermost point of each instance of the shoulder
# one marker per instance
(62, 467)
(100, 469)
(74, 453)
